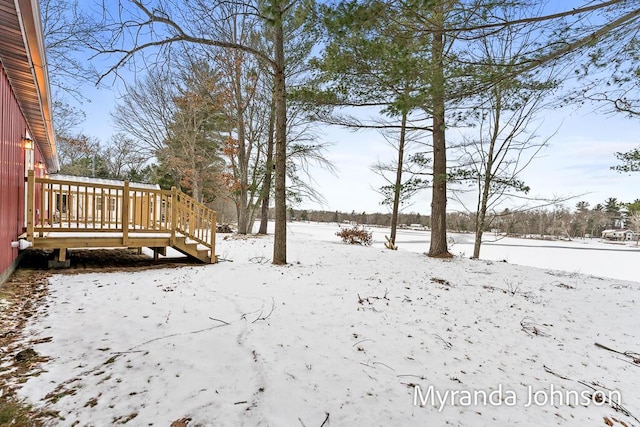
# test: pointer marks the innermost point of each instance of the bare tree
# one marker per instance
(79, 155)
(505, 143)
(145, 110)
(197, 23)
(66, 29)
(122, 157)
(247, 82)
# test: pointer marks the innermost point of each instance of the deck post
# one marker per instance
(214, 259)
(125, 214)
(174, 214)
(192, 219)
(31, 189)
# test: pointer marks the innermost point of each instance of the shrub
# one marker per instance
(356, 236)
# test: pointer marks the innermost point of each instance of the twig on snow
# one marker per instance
(218, 320)
(260, 317)
(615, 405)
(384, 364)
(635, 363)
(548, 370)
(529, 326)
(175, 335)
(422, 377)
(631, 354)
(369, 298)
(326, 420)
(118, 353)
(446, 343)
(244, 315)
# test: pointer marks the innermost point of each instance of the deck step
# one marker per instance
(191, 249)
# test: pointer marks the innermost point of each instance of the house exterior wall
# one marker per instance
(13, 128)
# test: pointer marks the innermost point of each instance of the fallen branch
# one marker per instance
(174, 335)
(218, 320)
(326, 420)
(389, 244)
(422, 377)
(630, 354)
(368, 299)
(529, 326)
(244, 315)
(384, 364)
(260, 317)
(617, 406)
(361, 341)
(632, 362)
(118, 353)
(548, 370)
(446, 343)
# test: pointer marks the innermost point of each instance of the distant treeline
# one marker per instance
(559, 222)
(382, 219)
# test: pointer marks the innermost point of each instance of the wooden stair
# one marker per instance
(191, 249)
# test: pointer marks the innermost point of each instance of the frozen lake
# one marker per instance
(588, 256)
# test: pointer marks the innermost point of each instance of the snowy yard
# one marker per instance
(348, 336)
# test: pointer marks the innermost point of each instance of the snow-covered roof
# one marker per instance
(89, 180)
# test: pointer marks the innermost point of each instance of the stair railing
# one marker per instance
(194, 220)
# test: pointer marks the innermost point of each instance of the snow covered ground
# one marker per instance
(348, 336)
(587, 256)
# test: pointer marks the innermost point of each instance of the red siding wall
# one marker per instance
(12, 129)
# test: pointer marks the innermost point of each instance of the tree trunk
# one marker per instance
(488, 176)
(243, 161)
(196, 192)
(438, 246)
(280, 238)
(398, 186)
(266, 185)
(482, 209)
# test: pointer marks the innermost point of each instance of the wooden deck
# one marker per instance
(68, 214)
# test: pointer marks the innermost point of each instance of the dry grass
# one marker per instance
(20, 299)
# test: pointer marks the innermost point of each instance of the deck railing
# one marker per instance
(55, 205)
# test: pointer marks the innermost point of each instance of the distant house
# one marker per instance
(26, 129)
(619, 235)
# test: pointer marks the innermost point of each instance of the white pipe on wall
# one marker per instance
(22, 244)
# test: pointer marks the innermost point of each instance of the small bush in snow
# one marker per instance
(356, 236)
